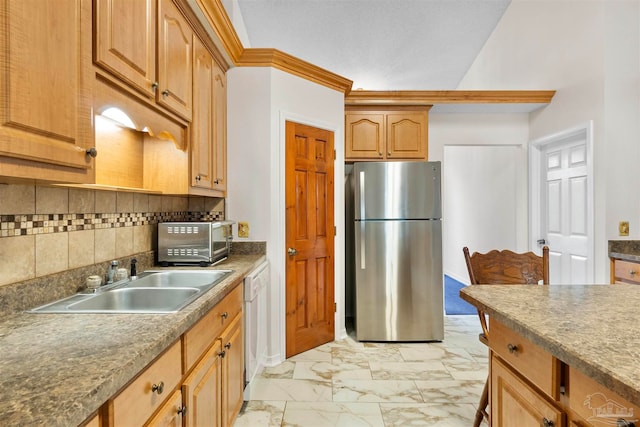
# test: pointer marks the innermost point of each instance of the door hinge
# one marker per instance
(335, 307)
(335, 155)
(335, 230)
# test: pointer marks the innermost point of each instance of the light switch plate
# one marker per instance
(243, 229)
(623, 228)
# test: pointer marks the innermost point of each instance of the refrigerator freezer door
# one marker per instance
(397, 190)
(399, 294)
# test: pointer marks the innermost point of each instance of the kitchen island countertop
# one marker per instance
(592, 328)
(58, 369)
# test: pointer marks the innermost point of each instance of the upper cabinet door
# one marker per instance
(175, 47)
(126, 41)
(202, 127)
(407, 135)
(45, 70)
(220, 128)
(364, 135)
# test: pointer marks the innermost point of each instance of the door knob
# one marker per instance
(542, 241)
(292, 251)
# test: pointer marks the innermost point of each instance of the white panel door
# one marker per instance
(565, 210)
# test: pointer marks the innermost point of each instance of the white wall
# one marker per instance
(484, 167)
(588, 51)
(260, 100)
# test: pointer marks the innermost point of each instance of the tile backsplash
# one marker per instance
(47, 230)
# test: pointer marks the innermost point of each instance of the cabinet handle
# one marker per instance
(165, 93)
(216, 181)
(198, 178)
(512, 348)
(632, 272)
(182, 411)
(92, 152)
(227, 345)
(623, 423)
(388, 153)
(224, 315)
(547, 423)
(380, 153)
(222, 353)
(158, 388)
(154, 86)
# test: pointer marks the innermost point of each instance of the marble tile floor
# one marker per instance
(349, 384)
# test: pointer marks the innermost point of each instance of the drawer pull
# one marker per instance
(624, 423)
(182, 411)
(513, 348)
(632, 273)
(547, 423)
(222, 354)
(158, 388)
(224, 315)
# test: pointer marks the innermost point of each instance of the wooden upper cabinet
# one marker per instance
(365, 136)
(175, 47)
(45, 67)
(398, 133)
(209, 137)
(220, 129)
(126, 41)
(147, 44)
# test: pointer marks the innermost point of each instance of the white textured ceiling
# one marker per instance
(379, 44)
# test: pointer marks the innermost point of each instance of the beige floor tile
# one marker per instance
(261, 413)
(328, 371)
(375, 391)
(291, 390)
(323, 414)
(431, 415)
(432, 370)
(451, 391)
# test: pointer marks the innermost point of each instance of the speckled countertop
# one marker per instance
(592, 328)
(58, 369)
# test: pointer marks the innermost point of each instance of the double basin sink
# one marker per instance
(154, 291)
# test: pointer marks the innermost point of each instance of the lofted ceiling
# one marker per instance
(379, 44)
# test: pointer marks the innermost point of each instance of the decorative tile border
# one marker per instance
(23, 225)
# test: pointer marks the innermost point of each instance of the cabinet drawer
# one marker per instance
(535, 364)
(595, 403)
(135, 404)
(627, 271)
(198, 339)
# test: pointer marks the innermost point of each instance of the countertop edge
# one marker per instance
(597, 373)
(88, 401)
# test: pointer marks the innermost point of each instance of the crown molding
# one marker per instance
(433, 97)
(261, 57)
(217, 17)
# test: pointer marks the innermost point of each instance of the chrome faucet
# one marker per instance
(111, 272)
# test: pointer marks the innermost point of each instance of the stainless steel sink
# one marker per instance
(178, 279)
(155, 291)
(137, 300)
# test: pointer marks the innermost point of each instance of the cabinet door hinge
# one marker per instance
(335, 230)
(335, 155)
(335, 307)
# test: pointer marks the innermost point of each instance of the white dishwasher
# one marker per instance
(255, 323)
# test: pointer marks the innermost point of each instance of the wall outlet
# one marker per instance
(623, 228)
(243, 229)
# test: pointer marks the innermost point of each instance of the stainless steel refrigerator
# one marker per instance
(398, 251)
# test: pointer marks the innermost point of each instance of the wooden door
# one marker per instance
(232, 371)
(407, 135)
(46, 90)
(516, 404)
(175, 44)
(125, 36)
(310, 232)
(364, 136)
(202, 129)
(219, 128)
(201, 391)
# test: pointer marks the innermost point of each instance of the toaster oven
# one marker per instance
(186, 243)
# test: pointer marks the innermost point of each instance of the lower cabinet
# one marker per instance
(197, 381)
(514, 403)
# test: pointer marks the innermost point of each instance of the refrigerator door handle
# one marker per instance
(362, 215)
(362, 245)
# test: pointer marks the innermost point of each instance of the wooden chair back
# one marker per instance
(506, 268)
